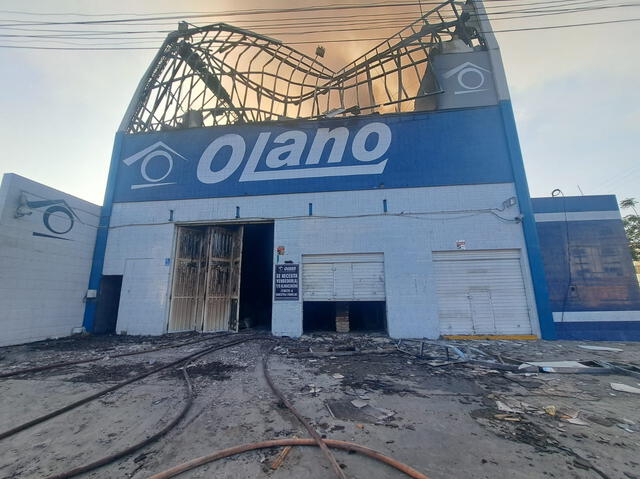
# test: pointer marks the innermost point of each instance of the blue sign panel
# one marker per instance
(369, 152)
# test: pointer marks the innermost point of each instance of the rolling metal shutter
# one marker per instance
(343, 277)
(481, 292)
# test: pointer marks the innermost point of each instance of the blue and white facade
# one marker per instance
(438, 199)
(593, 289)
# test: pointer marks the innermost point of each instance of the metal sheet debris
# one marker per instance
(600, 348)
(569, 367)
(625, 388)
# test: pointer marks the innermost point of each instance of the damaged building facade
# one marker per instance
(251, 185)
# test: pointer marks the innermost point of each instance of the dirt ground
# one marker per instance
(445, 417)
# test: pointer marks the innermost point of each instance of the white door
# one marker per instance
(481, 292)
(343, 277)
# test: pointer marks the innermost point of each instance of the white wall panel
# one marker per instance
(43, 275)
(343, 223)
(343, 277)
(482, 292)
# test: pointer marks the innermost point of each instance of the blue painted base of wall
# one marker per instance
(599, 330)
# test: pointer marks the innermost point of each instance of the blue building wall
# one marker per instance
(593, 290)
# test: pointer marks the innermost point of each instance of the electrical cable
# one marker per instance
(232, 451)
(344, 40)
(314, 434)
(322, 7)
(324, 20)
(61, 364)
(555, 193)
(138, 445)
(87, 399)
(572, 10)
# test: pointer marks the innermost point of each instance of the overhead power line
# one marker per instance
(141, 39)
(383, 21)
(344, 40)
(328, 7)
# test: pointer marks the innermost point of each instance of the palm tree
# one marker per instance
(629, 203)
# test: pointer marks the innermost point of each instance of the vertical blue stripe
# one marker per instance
(102, 234)
(547, 327)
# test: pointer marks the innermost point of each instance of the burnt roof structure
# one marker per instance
(222, 75)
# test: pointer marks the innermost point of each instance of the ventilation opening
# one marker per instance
(255, 278)
(358, 316)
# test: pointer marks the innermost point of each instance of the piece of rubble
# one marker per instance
(600, 348)
(359, 403)
(379, 413)
(625, 427)
(624, 388)
(506, 408)
(313, 389)
(574, 420)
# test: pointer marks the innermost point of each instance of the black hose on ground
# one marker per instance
(139, 445)
(314, 434)
(46, 367)
(69, 407)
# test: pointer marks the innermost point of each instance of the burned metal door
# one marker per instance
(188, 280)
(222, 290)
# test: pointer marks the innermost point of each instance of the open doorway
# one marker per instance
(256, 276)
(107, 304)
(216, 275)
(344, 316)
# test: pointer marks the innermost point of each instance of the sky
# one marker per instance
(574, 91)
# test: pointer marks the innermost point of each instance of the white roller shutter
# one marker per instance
(481, 292)
(343, 277)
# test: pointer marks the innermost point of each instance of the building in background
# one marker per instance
(46, 245)
(593, 288)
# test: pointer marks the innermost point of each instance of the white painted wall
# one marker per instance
(344, 222)
(43, 280)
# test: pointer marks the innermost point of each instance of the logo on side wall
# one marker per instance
(156, 165)
(57, 216)
(471, 78)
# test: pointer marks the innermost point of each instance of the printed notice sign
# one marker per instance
(287, 282)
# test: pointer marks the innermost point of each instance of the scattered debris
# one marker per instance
(575, 421)
(282, 455)
(602, 421)
(353, 375)
(625, 388)
(313, 389)
(625, 427)
(505, 408)
(600, 348)
(359, 411)
(569, 367)
(359, 403)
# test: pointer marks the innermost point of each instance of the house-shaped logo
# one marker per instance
(156, 165)
(471, 78)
